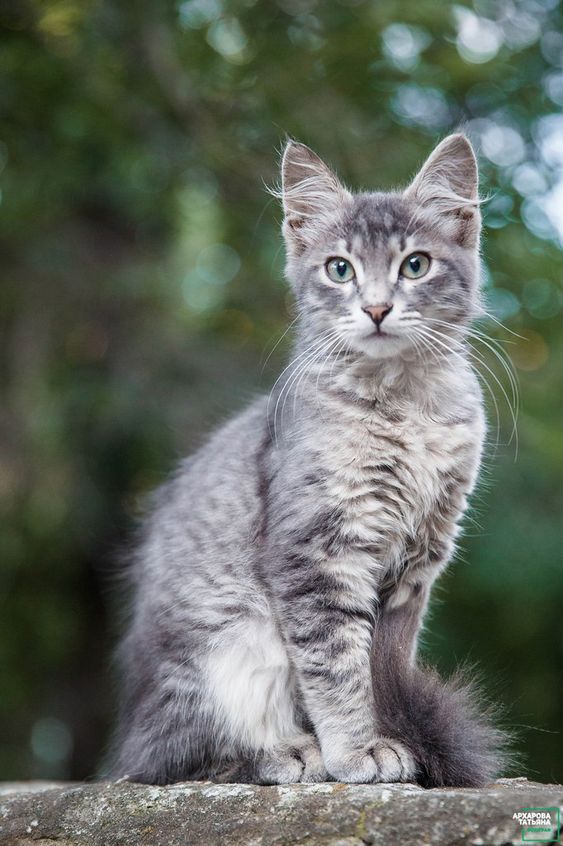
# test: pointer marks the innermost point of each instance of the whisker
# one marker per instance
(487, 315)
(500, 354)
(293, 362)
(418, 338)
(278, 342)
(294, 375)
(309, 354)
(484, 378)
(324, 354)
(474, 353)
(334, 352)
(507, 366)
(345, 350)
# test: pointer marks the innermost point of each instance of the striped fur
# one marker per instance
(283, 574)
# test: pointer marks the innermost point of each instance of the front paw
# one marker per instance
(299, 759)
(383, 760)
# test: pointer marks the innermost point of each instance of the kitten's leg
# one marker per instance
(302, 751)
(252, 687)
(328, 625)
(296, 760)
(229, 715)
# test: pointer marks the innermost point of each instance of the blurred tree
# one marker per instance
(143, 288)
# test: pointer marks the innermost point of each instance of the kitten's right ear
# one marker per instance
(449, 184)
(310, 191)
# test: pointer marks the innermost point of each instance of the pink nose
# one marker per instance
(378, 313)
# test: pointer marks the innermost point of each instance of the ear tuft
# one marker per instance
(310, 190)
(449, 182)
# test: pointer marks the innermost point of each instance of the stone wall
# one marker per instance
(125, 814)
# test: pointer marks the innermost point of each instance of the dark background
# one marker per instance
(142, 291)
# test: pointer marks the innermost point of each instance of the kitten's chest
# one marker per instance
(395, 481)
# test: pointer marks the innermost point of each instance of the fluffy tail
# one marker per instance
(453, 740)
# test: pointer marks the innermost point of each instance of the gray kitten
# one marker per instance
(283, 574)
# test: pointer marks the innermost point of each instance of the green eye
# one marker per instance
(339, 270)
(415, 266)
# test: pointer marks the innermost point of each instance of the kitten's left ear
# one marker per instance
(310, 191)
(449, 183)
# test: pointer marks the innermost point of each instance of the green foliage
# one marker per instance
(143, 290)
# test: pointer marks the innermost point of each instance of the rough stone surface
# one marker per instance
(126, 814)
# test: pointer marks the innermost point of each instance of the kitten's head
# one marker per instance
(379, 270)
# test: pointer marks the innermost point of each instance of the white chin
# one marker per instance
(380, 346)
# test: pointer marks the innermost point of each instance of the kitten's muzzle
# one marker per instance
(378, 313)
